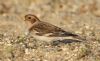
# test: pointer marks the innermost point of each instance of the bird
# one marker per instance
(45, 31)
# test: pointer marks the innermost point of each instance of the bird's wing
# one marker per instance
(62, 33)
(49, 30)
(52, 30)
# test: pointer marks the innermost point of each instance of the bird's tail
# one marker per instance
(74, 35)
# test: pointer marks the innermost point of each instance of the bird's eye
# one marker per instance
(29, 17)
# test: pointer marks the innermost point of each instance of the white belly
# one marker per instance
(49, 39)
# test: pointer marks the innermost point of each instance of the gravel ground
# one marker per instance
(78, 16)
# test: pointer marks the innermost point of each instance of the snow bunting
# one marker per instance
(46, 31)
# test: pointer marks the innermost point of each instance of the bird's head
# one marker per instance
(31, 18)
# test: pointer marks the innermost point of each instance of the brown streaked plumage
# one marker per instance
(46, 29)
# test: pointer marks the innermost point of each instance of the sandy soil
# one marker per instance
(78, 16)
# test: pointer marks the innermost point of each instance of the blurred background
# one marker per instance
(78, 16)
(71, 15)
